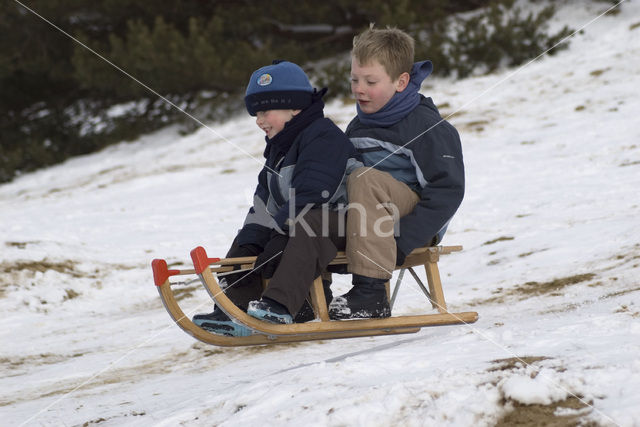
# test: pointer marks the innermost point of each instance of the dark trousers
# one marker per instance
(243, 287)
(308, 252)
(313, 243)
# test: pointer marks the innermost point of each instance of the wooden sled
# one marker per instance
(321, 329)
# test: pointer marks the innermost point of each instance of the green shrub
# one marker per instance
(58, 97)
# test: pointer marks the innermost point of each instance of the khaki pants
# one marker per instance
(376, 202)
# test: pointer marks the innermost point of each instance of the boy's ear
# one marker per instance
(402, 82)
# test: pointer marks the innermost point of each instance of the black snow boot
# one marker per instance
(306, 313)
(367, 299)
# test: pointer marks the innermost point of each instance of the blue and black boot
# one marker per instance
(219, 323)
(270, 311)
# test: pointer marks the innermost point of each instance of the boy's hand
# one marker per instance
(267, 262)
(246, 250)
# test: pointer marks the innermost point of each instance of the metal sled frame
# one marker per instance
(321, 329)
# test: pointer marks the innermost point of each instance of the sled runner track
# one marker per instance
(269, 333)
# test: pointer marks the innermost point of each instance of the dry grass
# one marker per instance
(66, 267)
(529, 289)
(10, 272)
(551, 287)
(598, 73)
(186, 292)
(544, 415)
(499, 239)
(519, 414)
(513, 363)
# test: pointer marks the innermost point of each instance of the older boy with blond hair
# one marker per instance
(413, 179)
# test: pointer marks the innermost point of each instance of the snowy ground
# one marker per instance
(551, 263)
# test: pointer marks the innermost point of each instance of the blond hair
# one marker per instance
(391, 47)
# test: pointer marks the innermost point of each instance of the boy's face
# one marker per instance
(273, 121)
(372, 86)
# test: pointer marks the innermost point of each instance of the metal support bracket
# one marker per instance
(424, 289)
(396, 288)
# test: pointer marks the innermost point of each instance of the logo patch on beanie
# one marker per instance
(265, 80)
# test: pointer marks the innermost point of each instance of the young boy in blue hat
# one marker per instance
(413, 181)
(293, 225)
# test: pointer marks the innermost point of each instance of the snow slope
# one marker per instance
(551, 262)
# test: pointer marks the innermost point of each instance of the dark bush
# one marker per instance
(57, 98)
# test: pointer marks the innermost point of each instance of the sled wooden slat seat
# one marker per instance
(323, 327)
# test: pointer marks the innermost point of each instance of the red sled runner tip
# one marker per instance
(161, 272)
(200, 259)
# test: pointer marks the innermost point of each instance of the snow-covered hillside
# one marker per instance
(550, 226)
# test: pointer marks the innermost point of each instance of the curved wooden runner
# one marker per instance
(330, 326)
(185, 323)
(322, 328)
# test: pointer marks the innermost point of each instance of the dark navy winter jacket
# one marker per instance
(427, 156)
(311, 169)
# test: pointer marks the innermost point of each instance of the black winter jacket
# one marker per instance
(307, 165)
(427, 156)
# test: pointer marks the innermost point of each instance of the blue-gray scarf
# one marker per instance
(402, 103)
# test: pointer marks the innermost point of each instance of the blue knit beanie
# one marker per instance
(279, 86)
